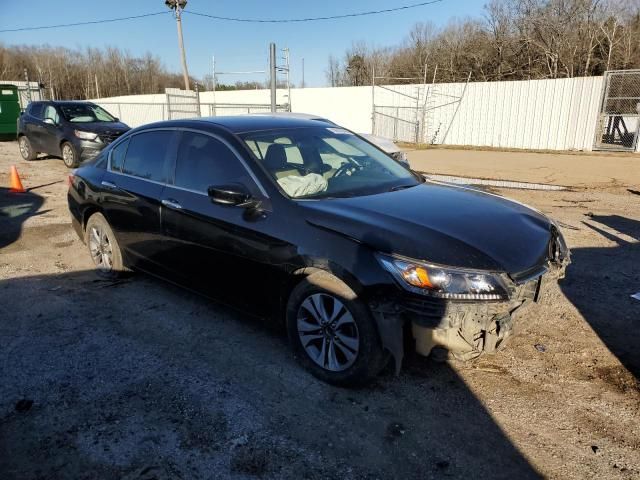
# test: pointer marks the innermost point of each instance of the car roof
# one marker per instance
(252, 123)
(71, 102)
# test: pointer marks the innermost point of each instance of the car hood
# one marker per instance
(101, 127)
(382, 143)
(441, 224)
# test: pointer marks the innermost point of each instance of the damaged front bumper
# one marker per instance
(466, 329)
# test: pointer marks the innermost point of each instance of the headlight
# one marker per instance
(444, 282)
(85, 135)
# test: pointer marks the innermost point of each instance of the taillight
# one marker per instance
(70, 178)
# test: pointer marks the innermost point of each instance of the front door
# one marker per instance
(50, 139)
(223, 251)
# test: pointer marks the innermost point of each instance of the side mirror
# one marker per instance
(50, 121)
(116, 119)
(233, 195)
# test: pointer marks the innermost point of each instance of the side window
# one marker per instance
(50, 112)
(117, 156)
(204, 161)
(35, 109)
(147, 154)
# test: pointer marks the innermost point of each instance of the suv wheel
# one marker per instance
(69, 156)
(332, 332)
(25, 148)
(103, 247)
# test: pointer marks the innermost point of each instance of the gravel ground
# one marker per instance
(138, 379)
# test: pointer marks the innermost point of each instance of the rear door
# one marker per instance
(131, 192)
(33, 126)
(223, 251)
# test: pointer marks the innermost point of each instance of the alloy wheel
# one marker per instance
(24, 147)
(100, 248)
(67, 155)
(327, 331)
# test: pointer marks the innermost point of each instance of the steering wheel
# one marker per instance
(345, 169)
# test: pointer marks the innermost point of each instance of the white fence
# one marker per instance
(535, 114)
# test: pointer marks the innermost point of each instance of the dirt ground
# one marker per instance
(580, 170)
(138, 379)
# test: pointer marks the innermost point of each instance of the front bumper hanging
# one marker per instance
(465, 329)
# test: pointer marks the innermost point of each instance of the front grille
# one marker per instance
(108, 137)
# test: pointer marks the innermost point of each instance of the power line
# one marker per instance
(230, 19)
(93, 22)
(313, 19)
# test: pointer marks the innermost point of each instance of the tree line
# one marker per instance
(91, 73)
(514, 40)
(97, 73)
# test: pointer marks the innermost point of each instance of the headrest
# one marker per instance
(276, 157)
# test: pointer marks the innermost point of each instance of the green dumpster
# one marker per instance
(9, 109)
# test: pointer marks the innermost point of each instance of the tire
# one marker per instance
(69, 155)
(26, 150)
(103, 247)
(349, 329)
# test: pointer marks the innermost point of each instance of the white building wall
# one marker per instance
(535, 114)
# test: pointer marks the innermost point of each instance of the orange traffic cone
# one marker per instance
(15, 183)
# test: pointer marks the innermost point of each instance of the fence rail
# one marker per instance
(135, 114)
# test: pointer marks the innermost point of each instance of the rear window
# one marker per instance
(35, 109)
(117, 156)
(146, 155)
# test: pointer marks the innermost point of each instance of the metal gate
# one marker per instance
(397, 111)
(407, 112)
(618, 123)
(182, 103)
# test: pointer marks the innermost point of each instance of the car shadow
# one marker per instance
(117, 377)
(600, 282)
(15, 209)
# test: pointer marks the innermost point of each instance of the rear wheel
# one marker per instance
(26, 150)
(69, 155)
(332, 332)
(103, 247)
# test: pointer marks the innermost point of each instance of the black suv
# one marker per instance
(313, 224)
(76, 131)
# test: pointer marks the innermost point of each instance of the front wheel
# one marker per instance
(26, 150)
(103, 247)
(69, 155)
(332, 332)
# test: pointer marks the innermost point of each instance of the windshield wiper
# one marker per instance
(401, 187)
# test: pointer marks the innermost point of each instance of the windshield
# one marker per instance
(85, 113)
(319, 162)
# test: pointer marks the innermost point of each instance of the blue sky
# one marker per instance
(237, 46)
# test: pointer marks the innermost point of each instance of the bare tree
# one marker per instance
(515, 39)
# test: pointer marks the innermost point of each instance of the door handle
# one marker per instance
(171, 203)
(109, 185)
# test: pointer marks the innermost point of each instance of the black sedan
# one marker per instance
(75, 131)
(312, 224)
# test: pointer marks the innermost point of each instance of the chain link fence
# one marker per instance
(619, 119)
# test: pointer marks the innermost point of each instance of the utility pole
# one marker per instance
(178, 6)
(287, 71)
(302, 72)
(272, 70)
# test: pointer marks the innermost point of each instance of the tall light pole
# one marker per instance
(177, 6)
